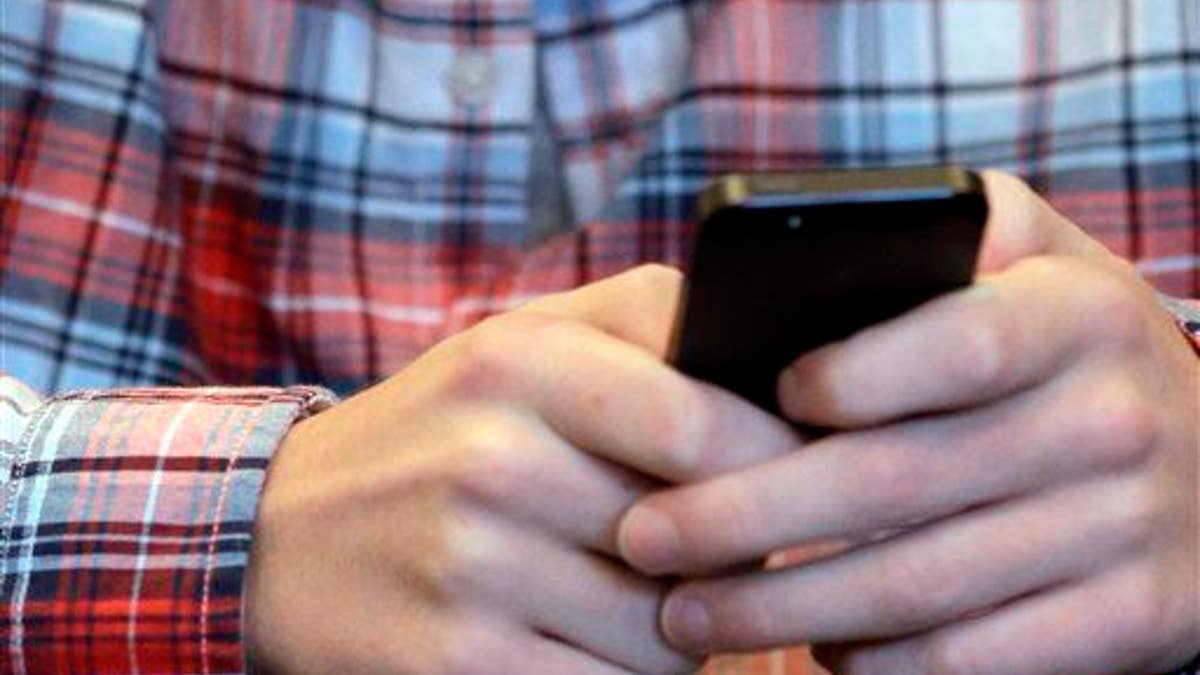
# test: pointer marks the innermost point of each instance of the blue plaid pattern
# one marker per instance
(225, 192)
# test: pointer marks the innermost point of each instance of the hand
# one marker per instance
(1013, 483)
(461, 516)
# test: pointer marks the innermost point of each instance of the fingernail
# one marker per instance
(686, 623)
(648, 540)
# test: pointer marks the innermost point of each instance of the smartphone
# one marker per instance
(784, 263)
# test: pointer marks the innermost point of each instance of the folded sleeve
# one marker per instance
(127, 519)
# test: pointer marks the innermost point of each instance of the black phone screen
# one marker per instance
(784, 264)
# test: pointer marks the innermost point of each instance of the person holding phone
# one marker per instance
(337, 342)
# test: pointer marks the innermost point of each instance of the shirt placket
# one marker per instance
(489, 86)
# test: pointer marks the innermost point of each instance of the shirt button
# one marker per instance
(471, 79)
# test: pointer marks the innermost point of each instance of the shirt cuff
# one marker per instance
(1187, 316)
(126, 524)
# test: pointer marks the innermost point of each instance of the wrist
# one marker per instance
(261, 560)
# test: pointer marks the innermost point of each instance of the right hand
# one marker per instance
(461, 516)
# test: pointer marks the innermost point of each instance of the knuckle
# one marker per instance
(990, 349)
(744, 621)
(1059, 271)
(488, 462)
(1049, 268)
(456, 557)
(741, 516)
(1136, 518)
(908, 589)
(676, 421)
(1118, 308)
(491, 357)
(1118, 425)
(889, 486)
(484, 358)
(1144, 620)
(1149, 608)
(1104, 293)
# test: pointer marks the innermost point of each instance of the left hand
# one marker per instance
(1013, 482)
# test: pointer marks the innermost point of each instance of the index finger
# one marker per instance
(590, 364)
(616, 401)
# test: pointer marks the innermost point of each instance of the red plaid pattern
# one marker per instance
(287, 191)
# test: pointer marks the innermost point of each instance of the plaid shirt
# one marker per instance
(261, 194)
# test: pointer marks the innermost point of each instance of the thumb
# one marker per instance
(637, 306)
(1021, 224)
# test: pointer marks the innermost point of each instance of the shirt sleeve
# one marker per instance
(1187, 315)
(126, 523)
